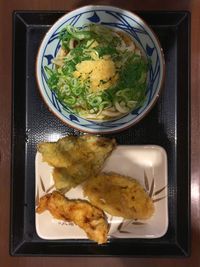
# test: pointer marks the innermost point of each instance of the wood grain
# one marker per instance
(6, 9)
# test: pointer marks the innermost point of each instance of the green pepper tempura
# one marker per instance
(98, 73)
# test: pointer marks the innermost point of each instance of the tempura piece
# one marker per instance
(91, 219)
(63, 181)
(76, 158)
(119, 196)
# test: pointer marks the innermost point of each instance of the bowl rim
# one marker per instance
(149, 106)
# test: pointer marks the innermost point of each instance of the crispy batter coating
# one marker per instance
(119, 196)
(91, 219)
(63, 181)
(76, 158)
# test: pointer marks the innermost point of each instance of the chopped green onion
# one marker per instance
(78, 34)
(95, 101)
(48, 70)
(77, 90)
(70, 100)
(105, 104)
(66, 90)
(129, 91)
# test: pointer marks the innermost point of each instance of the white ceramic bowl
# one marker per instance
(118, 19)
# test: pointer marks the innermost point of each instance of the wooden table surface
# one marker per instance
(6, 8)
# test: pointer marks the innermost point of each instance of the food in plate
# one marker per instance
(98, 73)
(76, 158)
(63, 181)
(119, 195)
(91, 219)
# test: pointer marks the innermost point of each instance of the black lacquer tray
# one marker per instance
(167, 125)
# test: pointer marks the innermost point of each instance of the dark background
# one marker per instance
(6, 9)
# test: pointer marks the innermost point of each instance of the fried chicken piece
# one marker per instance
(76, 158)
(91, 219)
(119, 196)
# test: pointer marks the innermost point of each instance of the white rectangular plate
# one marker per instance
(147, 164)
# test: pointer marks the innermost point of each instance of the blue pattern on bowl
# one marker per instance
(94, 18)
(119, 21)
